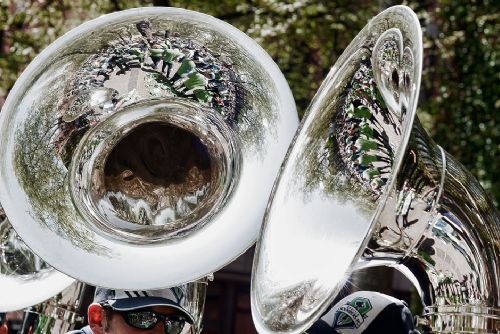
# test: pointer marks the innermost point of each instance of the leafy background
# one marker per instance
(460, 97)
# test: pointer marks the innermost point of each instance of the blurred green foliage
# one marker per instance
(460, 97)
(461, 83)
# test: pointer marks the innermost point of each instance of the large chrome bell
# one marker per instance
(363, 185)
(139, 149)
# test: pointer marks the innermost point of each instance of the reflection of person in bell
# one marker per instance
(366, 312)
(137, 312)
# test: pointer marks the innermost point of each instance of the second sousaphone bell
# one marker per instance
(363, 185)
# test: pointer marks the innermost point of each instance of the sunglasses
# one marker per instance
(147, 319)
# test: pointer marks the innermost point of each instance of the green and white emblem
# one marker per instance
(352, 314)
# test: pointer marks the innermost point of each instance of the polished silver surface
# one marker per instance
(363, 185)
(60, 313)
(139, 149)
(194, 302)
(339, 167)
(460, 255)
(25, 279)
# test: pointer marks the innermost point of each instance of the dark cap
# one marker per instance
(366, 312)
(126, 300)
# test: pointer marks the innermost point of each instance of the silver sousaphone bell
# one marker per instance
(139, 149)
(363, 185)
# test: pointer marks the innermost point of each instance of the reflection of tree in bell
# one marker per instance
(42, 175)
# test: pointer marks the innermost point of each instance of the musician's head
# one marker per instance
(139, 312)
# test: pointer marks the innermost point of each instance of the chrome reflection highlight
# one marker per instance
(363, 185)
(22, 271)
(138, 140)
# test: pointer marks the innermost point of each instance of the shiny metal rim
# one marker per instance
(294, 281)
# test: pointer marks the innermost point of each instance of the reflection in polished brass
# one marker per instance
(363, 185)
(140, 140)
(161, 164)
